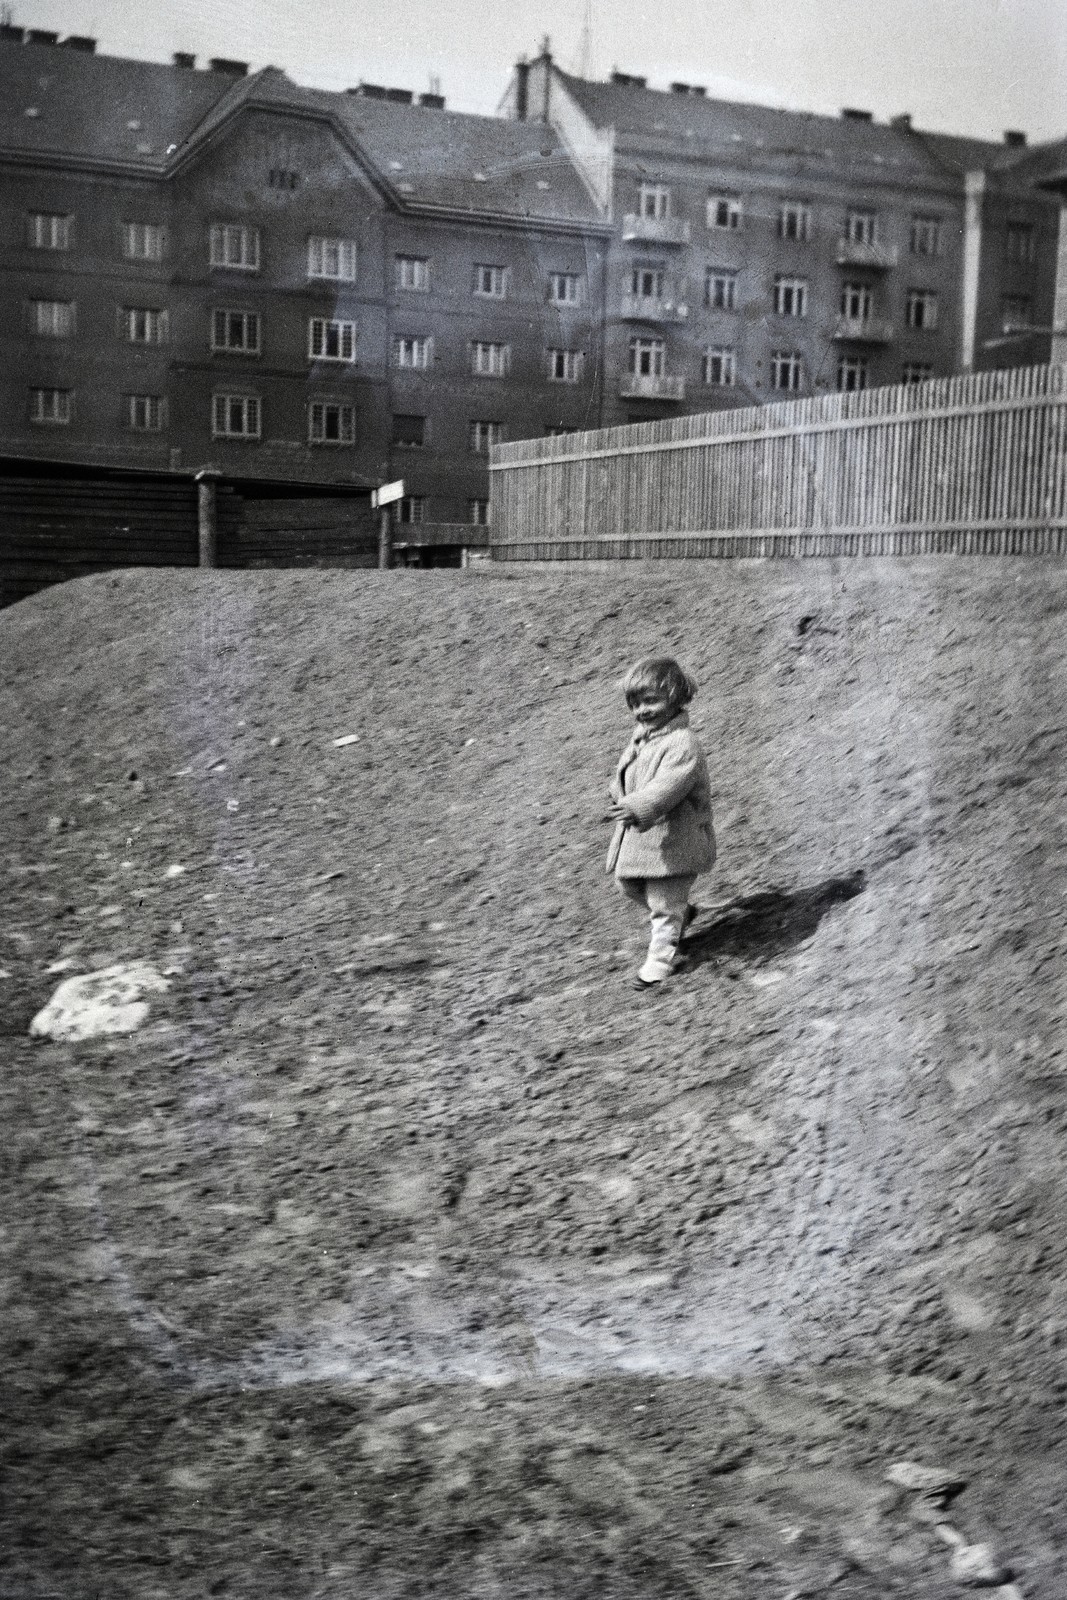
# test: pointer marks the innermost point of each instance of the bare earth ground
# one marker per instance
(406, 1250)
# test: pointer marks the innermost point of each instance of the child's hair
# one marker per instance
(659, 675)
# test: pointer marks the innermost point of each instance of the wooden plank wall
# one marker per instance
(972, 464)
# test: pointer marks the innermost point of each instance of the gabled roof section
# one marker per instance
(60, 102)
(64, 104)
(657, 122)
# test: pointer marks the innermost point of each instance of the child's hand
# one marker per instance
(620, 811)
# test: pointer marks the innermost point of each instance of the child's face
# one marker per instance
(652, 708)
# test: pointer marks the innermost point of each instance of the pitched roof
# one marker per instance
(141, 114)
(104, 108)
(654, 121)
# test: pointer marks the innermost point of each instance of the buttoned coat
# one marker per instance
(663, 776)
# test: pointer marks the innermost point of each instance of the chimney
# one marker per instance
(183, 59)
(434, 102)
(233, 69)
(42, 36)
(850, 114)
(679, 88)
(627, 80)
(402, 97)
(1014, 138)
(10, 34)
(78, 41)
(522, 90)
(369, 91)
(901, 123)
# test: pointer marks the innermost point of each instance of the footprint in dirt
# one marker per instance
(759, 927)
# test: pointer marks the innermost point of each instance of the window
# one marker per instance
(787, 370)
(654, 200)
(332, 258)
(142, 241)
(851, 374)
(491, 281)
(235, 416)
(144, 325)
(409, 432)
(331, 341)
(412, 350)
(856, 301)
(490, 360)
(723, 211)
(1016, 313)
(566, 366)
(235, 331)
(48, 231)
(564, 288)
(720, 289)
(922, 309)
(145, 413)
(647, 357)
(331, 422)
(916, 372)
(861, 227)
(794, 222)
(646, 283)
(719, 371)
(412, 508)
(478, 513)
(52, 319)
(233, 246)
(484, 435)
(790, 297)
(413, 272)
(925, 236)
(51, 405)
(1019, 242)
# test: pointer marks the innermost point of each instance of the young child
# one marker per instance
(662, 809)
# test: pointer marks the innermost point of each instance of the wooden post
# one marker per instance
(385, 540)
(207, 519)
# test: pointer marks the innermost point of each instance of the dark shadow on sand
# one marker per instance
(760, 927)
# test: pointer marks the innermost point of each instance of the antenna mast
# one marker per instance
(584, 66)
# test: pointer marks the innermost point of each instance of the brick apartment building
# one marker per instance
(204, 268)
(760, 254)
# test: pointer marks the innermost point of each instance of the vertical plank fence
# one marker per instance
(973, 465)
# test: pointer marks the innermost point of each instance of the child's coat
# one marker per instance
(664, 777)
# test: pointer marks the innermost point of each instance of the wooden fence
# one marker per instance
(967, 465)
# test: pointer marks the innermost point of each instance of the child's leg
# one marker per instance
(633, 889)
(667, 900)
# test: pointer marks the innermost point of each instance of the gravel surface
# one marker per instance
(405, 1249)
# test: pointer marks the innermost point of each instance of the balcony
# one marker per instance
(643, 386)
(863, 330)
(654, 230)
(643, 308)
(852, 253)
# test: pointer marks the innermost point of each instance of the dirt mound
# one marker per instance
(405, 1249)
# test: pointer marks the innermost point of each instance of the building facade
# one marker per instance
(206, 269)
(759, 254)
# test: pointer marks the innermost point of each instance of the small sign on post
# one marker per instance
(387, 494)
(382, 499)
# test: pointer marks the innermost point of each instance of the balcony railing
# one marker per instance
(654, 230)
(644, 309)
(864, 330)
(853, 253)
(643, 386)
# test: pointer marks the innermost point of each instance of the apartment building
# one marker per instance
(760, 254)
(204, 268)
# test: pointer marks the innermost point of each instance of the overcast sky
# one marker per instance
(963, 66)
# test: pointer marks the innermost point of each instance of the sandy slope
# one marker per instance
(406, 1249)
